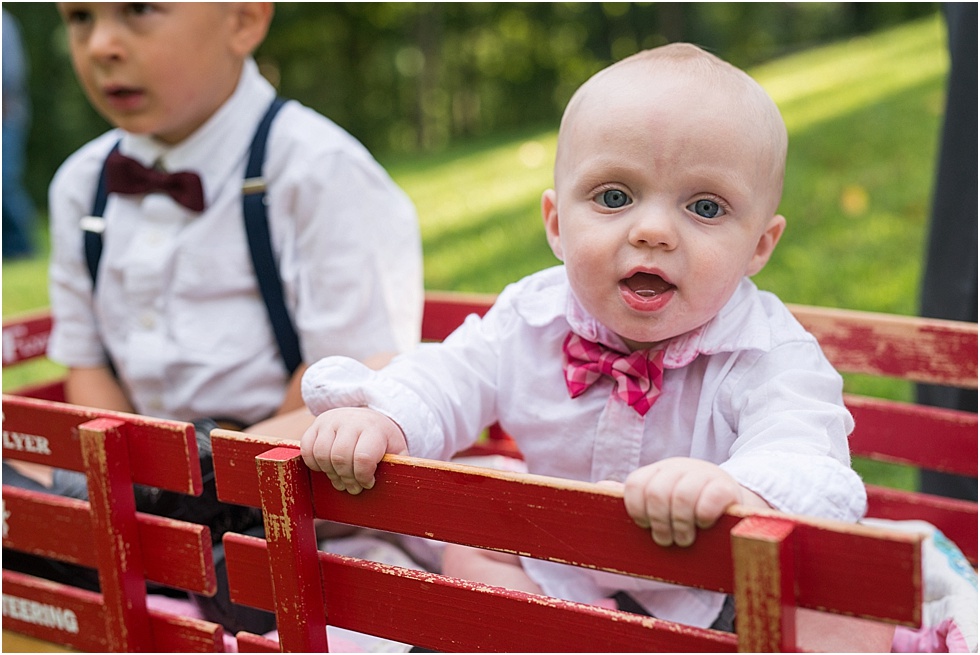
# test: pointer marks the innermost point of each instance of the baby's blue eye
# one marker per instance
(706, 208)
(613, 199)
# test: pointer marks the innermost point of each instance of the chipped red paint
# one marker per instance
(38, 523)
(570, 522)
(160, 451)
(127, 549)
(765, 584)
(849, 569)
(115, 536)
(907, 347)
(453, 615)
(288, 511)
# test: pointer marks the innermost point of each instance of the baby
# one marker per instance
(648, 358)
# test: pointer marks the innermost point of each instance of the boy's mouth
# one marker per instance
(123, 98)
(647, 285)
(120, 93)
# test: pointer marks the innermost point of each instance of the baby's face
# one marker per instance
(663, 202)
(160, 69)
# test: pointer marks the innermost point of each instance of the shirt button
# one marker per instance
(147, 320)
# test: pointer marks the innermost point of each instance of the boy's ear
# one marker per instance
(549, 212)
(767, 244)
(250, 25)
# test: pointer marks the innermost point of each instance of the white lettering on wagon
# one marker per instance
(35, 613)
(28, 443)
(20, 344)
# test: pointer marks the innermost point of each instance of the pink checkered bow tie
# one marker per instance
(639, 375)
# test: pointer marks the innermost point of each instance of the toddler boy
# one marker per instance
(648, 358)
(170, 321)
(176, 309)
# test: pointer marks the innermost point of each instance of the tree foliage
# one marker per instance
(417, 77)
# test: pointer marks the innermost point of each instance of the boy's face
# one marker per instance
(158, 69)
(663, 202)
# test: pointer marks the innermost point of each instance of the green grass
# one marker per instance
(479, 210)
(863, 117)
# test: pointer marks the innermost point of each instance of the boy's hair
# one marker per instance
(748, 95)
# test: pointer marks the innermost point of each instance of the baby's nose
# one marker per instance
(653, 228)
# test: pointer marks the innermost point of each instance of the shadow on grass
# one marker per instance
(856, 200)
(487, 254)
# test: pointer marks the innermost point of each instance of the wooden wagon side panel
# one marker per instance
(105, 533)
(54, 612)
(583, 524)
(419, 606)
(161, 452)
(927, 350)
(37, 523)
(903, 433)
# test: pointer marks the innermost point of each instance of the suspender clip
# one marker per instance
(252, 185)
(94, 224)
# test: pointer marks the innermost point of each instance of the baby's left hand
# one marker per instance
(675, 496)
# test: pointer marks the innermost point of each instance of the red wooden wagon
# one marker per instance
(777, 567)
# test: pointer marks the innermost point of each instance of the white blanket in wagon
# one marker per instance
(949, 607)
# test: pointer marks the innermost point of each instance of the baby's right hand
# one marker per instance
(347, 444)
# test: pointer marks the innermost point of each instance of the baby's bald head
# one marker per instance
(709, 87)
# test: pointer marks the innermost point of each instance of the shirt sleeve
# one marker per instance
(792, 426)
(352, 256)
(441, 395)
(75, 340)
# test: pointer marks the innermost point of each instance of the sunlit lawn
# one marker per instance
(864, 118)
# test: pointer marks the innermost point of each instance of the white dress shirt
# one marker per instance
(750, 390)
(177, 303)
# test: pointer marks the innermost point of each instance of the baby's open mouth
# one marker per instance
(647, 285)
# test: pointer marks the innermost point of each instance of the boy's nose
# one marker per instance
(104, 42)
(654, 228)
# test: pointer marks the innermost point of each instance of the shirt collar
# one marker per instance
(217, 149)
(740, 325)
(588, 327)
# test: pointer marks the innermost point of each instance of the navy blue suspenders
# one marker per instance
(93, 228)
(260, 244)
(256, 228)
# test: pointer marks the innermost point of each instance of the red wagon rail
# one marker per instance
(776, 566)
(105, 533)
(772, 563)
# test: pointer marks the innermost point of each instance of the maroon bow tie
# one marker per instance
(639, 375)
(126, 175)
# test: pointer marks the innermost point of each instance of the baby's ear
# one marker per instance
(767, 244)
(549, 212)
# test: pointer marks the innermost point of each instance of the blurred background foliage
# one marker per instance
(461, 101)
(418, 78)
